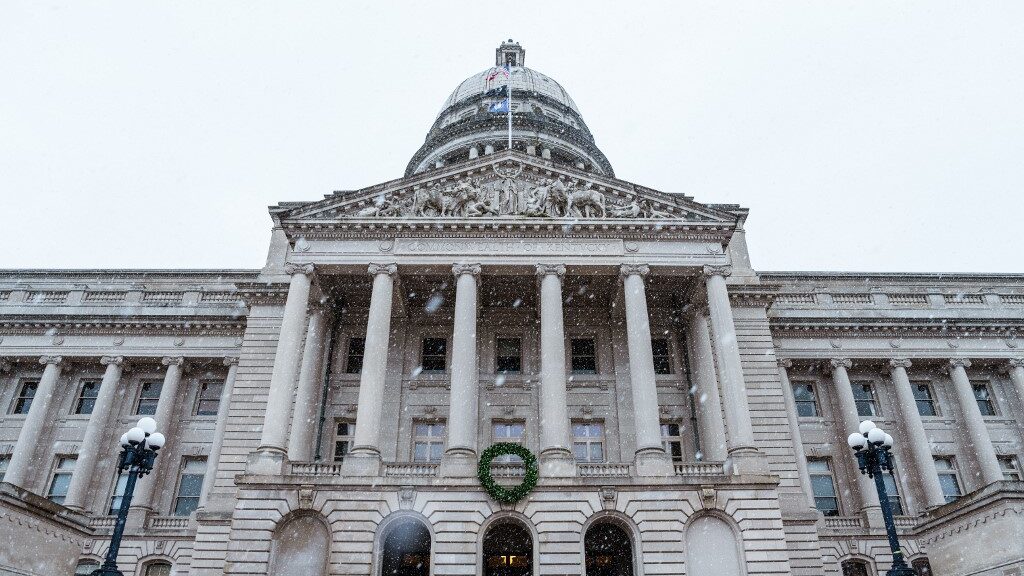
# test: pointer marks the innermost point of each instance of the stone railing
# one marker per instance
(602, 470)
(905, 521)
(103, 522)
(169, 523)
(842, 522)
(412, 469)
(507, 470)
(315, 469)
(700, 469)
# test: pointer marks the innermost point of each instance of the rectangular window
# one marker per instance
(190, 486)
(806, 401)
(5, 461)
(893, 492)
(984, 399)
(435, 353)
(864, 396)
(672, 440)
(662, 356)
(1011, 468)
(61, 479)
(588, 441)
(924, 398)
(428, 441)
(354, 358)
(508, 355)
(209, 398)
(25, 396)
(115, 499)
(584, 356)
(823, 485)
(344, 434)
(149, 398)
(508, 432)
(949, 478)
(87, 397)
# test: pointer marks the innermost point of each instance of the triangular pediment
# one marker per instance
(508, 186)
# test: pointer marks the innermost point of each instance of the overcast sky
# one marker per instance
(882, 136)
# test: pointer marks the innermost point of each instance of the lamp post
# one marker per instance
(872, 444)
(139, 446)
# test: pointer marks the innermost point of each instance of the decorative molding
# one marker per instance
(724, 270)
(173, 360)
(231, 361)
(5, 366)
(634, 269)
(959, 363)
(1016, 362)
(549, 269)
(784, 363)
(471, 269)
(293, 268)
(900, 363)
(55, 360)
(406, 497)
(112, 361)
(844, 363)
(377, 269)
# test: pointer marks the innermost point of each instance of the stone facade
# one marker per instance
(321, 405)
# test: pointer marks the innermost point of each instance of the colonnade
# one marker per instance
(724, 413)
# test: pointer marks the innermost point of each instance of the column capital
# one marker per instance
(551, 269)
(293, 268)
(634, 270)
(231, 360)
(56, 360)
(112, 360)
(5, 366)
(173, 361)
(717, 270)
(378, 269)
(900, 363)
(841, 363)
(959, 363)
(1015, 363)
(784, 363)
(461, 268)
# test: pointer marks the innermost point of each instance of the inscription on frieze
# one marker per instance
(509, 247)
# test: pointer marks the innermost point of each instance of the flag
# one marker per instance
(498, 70)
(500, 107)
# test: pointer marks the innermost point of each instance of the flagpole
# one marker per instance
(508, 88)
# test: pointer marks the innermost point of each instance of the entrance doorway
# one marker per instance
(508, 550)
(608, 550)
(406, 550)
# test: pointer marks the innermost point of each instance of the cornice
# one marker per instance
(753, 295)
(119, 326)
(848, 326)
(497, 228)
(268, 293)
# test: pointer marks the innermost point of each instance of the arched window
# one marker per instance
(300, 547)
(508, 549)
(406, 550)
(85, 567)
(856, 568)
(158, 568)
(608, 550)
(922, 567)
(712, 548)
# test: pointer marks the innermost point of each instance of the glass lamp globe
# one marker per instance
(857, 441)
(135, 435)
(147, 424)
(124, 440)
(155, 441)
(866, 426)
(876, 436)
(887, 442)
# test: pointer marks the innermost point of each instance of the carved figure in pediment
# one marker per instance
(586, 203)
(648, 211)
(382, 207)
(629, 209)
(429, 201)
(511, 199)
(536, 199)
(557, 202)
(465, 194)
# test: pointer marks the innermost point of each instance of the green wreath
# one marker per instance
(497, 491)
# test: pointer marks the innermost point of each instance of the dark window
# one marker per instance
(806, 401)
(588, 441)
(662, 356)
(823, 486)
(406, 550)
(354, 358)
(190, 486)
(86, 567)
(428, 441)
(925, 400)
(87, 397)
(864, 396)
(5, 461)
(672, 440)
(209, 398)
(893, 492)
(149, 398)
(608, 551)
(158, 569)
(855, 568)
(949, 478)
(115, 499)
(1011, 468)
(984, 399)
(508, 355)
(584, 356)
(344, 434)
(922, 567)
(61, 479)
(25, 396)
(508, 550)
(435, 352)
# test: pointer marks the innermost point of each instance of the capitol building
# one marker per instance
(326, 414)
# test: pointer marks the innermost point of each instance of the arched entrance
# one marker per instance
(300, 547)
(712, 548)
(406, 550)
(508, 550)
(608, 550)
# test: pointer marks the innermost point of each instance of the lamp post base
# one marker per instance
(106, 572)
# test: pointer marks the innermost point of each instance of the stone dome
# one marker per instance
(545, 120)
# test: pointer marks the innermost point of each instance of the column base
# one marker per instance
(267, 462)
(361, 463)
(458, 463)
(138, 517)
(747, 460)
(557, 463)
(653, 462)
(872, 516)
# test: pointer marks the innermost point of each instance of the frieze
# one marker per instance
(507, 248)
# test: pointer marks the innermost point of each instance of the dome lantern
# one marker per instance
(510, 53)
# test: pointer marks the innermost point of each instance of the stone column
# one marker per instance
(93, 441)
(218, 432)
(304, 419)
(364, 458)
(979, 442)
(743, 453)
(1015, 367)
(849, 420)
(274, 440)
(794, 430)
(709, 414)
(650, 457)
(460, 456)
(922, 469)
(556, 458)
(23, 458)
(165, 417)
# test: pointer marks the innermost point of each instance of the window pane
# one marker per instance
(806, 403)
(119, 486)
(190, 487)
(87, 398)
(1011, 471)
(662, 357)
(420, 452)
(356, 348)
(584, 360)
(209, 398)
(923, 397)
(508, 355)
(434, 351)
(158, 569)
(984, 400)
(597, 452)
(86, 567)
(28, 391)
(149, 398)
(865, 399)
(892, 491)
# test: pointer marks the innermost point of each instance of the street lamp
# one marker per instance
(139, 446)
(872, 444)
